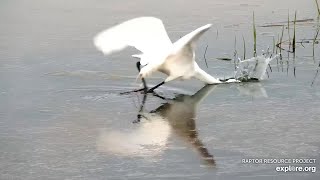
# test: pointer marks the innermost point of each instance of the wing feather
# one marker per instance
(185, 45)
(144, 33)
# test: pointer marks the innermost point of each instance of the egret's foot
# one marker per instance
(150, 91)
(159, 96)
(230, 80)
(155, 87)
(139, 116)
(136, 121)
(145, 90)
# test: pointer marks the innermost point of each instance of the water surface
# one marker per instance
(62, 116)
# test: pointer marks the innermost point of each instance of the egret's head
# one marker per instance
(143, 59)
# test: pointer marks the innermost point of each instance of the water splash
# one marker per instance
(254, 68)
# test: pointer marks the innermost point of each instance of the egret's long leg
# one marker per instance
(159, 96)
(136, 90)
(155, 87)
(145, 87)
(141, 109)
(140, 112)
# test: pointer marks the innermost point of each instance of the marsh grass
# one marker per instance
(318, 8)
(279, 44)
(281, 39)
(273, 45)
(217, 34)
(314, 41)
(315, 76)
(293, 43)
(294, 33)
(244, 48)
(204, 55)
(254, 37)
(235, 53)
(278, 39)
(276, 44)
(288, 24)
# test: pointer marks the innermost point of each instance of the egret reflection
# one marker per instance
(150, 136)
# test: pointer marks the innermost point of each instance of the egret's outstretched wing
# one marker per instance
(145, 34)
(183, 53)
(186, 44)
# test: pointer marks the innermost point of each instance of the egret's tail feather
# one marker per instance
(205, 77)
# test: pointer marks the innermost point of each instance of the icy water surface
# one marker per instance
(62, 117)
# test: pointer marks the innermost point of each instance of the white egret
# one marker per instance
(148, 35)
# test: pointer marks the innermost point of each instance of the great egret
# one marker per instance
(148, 35)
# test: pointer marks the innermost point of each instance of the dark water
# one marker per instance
(62, 116)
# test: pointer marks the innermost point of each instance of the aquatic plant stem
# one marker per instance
(254, 38)
(318, 8)
(294, 33)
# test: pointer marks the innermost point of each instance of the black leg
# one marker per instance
(159, 96)
(138, 66)
(145, 87)
(136, 90)
(155, 87)
(141, 109)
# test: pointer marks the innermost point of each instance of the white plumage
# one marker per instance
(148, 35)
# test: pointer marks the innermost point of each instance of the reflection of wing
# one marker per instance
(147, 34)
(149, 139)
